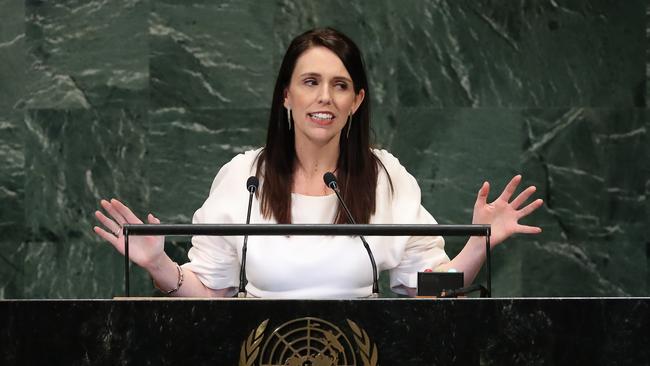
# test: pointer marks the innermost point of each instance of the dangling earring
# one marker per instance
(349, 125)
(289, 117)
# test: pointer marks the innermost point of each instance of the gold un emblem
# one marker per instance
(307, 342)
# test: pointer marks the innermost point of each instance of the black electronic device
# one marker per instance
(435, 283)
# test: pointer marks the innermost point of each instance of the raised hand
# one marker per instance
(504, 215)
(143, 250)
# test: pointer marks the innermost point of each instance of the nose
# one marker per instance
(324, 96)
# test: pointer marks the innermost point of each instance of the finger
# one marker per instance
(152, 219)
(108, 223)
(510, 189)
(113, 212)
(530, 208)
(522, 197)
(481, 199)
(109, 238)
(525, 229)
(125, 212)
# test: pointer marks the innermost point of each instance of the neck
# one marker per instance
(312, 161)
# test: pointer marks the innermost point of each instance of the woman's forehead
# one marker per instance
(320, 61)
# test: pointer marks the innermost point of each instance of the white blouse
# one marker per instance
(307, 266)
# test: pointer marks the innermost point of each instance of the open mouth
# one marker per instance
(321, 118)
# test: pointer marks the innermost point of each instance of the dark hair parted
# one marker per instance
(357, 166)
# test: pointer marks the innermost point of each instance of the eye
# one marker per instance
(310, 82)
(341, 85)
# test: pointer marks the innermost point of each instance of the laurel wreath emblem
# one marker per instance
(368, 350)
(250, 348)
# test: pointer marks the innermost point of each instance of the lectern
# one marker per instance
(343, 332)
(388, 332)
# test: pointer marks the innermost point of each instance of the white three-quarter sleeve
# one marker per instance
(214, 259)
(405, 206)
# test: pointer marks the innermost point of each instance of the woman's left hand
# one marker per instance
(502, 214)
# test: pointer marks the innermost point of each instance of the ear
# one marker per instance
(286, 98)
(357, 100)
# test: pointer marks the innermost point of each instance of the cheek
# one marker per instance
(303, 99)
(345, 102)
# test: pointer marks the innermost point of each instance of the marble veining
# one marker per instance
(145, 100)
(85, 55)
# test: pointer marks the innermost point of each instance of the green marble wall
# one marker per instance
(146, 99)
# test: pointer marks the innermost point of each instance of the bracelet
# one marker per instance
(178, 285)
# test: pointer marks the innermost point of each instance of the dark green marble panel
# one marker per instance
(186, 149)
(647, 56)
(591, 166)
(12, 80)
(211, 54)
(12, 53)
(588, 164)
(647, 168)
(647, 207)
(87, 54)
(194, 144)
(12, 197)
(452, 152)
(490, 53)
(73, 159)
(462, 91)
(77, 268)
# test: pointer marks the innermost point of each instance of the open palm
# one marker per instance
(502, 214)
(143, 250)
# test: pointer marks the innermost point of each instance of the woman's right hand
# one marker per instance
(145, 251)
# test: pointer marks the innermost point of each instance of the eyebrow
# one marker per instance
(315, 74)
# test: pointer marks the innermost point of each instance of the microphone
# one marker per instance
(330, 181)
(251, 186)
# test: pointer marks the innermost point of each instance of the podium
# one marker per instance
(344, 332)
(389, 332)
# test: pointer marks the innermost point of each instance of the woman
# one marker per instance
(319, 123)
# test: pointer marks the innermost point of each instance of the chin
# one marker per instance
(322, 137)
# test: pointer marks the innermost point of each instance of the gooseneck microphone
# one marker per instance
(251, 186)
(330, 181)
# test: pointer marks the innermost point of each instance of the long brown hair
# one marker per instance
(357, 166)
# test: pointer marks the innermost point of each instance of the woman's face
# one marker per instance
(321, 96)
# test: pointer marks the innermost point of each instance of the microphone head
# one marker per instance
(252, 183)
(330, 180)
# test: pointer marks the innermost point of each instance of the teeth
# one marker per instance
(322, 115)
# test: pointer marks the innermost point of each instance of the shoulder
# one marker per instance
(391, 166)
(245, 160)
(390, 161)
(394, 178)
(238, 169)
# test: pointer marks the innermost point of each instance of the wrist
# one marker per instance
(179, 282)
(158, 264)
(476, 244)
